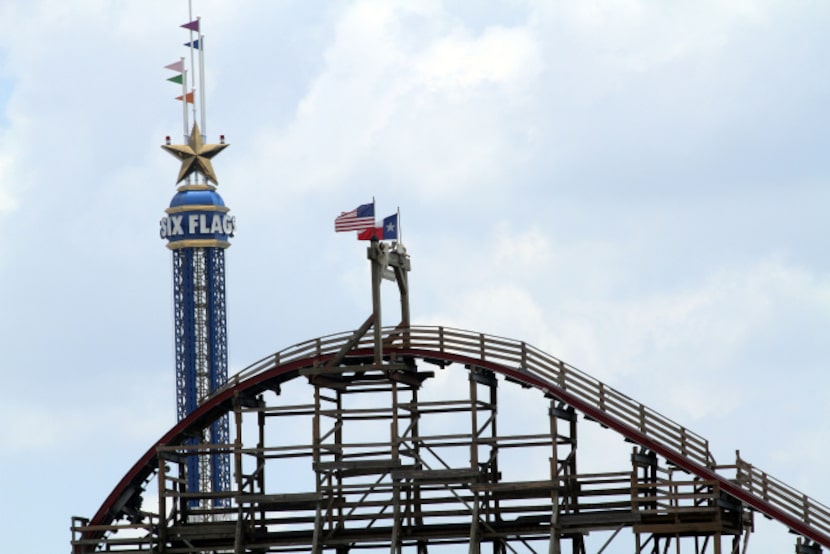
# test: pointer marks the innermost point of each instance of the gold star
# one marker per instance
(195, 156)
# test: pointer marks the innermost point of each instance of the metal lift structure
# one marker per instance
(351, 443)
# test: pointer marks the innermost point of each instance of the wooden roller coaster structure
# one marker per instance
(361, 458)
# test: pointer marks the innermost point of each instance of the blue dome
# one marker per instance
(197, 198)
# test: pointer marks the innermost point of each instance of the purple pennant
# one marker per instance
(193, 25)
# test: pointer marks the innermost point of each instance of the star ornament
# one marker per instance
(195, 156)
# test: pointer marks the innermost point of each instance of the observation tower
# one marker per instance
(197, 228)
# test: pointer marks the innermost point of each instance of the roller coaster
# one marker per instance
(352, 441)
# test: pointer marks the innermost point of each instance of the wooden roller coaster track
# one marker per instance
(515, 360)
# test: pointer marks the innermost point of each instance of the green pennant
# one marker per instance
(176, 79)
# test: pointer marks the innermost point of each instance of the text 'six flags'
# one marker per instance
(358, 219)
(389, 231)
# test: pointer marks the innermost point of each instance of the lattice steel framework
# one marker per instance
(200, 330)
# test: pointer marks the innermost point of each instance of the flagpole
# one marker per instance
(184, 100)
(192, 61)
(400, 232)
(202, 79)
(190, 18)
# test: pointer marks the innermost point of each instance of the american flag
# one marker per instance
(362, 217)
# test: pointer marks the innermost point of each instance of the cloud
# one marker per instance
(673, 344)
(8, 203)
(522, 252)
(667, 342)
(628, 36)
(406, 104)
(131, 409)
(504, 56)
(674, 101)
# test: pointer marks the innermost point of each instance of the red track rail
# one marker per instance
(524, 364)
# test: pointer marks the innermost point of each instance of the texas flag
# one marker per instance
(389, 231)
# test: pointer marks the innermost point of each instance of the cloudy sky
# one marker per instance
(639, 188)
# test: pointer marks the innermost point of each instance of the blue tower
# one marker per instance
(197, 228)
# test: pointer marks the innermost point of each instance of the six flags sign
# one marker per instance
(204, 225)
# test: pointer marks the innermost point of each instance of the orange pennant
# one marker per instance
(188, 97)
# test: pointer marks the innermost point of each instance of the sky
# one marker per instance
(638, 188)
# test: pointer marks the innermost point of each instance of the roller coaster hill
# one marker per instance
(357, 441)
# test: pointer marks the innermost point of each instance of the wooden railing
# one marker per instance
(532, 361)
(516, 355)
(540, 366)
(781, 495)
(668, 496)
(133, 537)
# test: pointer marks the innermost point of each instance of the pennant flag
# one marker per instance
(188, 97)
(362, 217)
(194, 44)
(193, 25)
(178, 66)
(176, 79)
(389, 231)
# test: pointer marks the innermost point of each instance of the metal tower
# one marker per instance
(197, 228)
